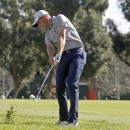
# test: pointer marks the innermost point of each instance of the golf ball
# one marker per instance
(31, 96)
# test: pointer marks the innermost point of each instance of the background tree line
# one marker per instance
(23, 53)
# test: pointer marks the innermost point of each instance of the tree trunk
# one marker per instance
(48, 88)
(16, 91)
(17, 80)
(17, 88)
(98, 91)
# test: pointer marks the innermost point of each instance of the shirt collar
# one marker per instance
(52, 22)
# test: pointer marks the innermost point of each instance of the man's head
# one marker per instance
(41, 19)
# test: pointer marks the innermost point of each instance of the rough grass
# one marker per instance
(41, 115)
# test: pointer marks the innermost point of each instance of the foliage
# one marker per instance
(115, 82)
(125, 97)
(99, 6)
(6, 82)
(121, 42)
(66, 7)
(21, 51)
(10, 115)
(97, 43)
(33, 86)
(125, 7)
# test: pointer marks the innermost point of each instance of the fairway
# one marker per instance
(41, 115)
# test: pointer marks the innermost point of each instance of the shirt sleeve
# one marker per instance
(61, 21)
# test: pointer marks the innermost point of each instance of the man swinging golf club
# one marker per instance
(71, 58)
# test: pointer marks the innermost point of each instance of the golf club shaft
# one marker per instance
(44, 82)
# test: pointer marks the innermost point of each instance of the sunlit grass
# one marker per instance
(41, 115)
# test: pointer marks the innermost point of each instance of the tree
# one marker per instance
(121, 42)
(115, 82)
(99, 6)
(6, 82)
(125, 6)
(66, 7)
(22, 51)
(97, 42)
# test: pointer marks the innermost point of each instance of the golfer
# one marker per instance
(65, 48)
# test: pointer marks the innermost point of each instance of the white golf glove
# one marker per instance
(57, 58)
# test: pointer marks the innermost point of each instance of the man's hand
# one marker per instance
(52, 61)
(57, 58)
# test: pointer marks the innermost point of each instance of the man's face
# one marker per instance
(42, 23)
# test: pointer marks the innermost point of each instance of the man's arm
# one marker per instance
(51, 52)
(61, 40)
(61, 43)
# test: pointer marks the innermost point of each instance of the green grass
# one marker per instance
(41, 115)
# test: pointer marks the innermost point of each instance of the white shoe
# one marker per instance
(65, 123)
(57, 122)
(72, 124)
(60, 122)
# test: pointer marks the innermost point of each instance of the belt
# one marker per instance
(71, 50)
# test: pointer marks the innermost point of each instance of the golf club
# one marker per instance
(35, 99)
